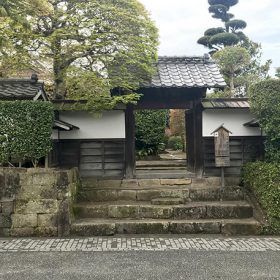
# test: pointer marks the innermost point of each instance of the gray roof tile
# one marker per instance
(22, 89)
(187, 72)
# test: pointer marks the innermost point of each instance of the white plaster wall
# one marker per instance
(109, 125)
(233, 120)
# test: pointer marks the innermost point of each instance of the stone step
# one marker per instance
(147, 194)
(163, 174)
(94, 227)
(192, 210)
(167, 201)
(161, 168)
(162, 163)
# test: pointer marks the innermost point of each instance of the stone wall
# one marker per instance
(36, 202)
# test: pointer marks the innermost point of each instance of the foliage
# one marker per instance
(14, 26)
(175, 143)
(150, 130)
(232, 60)
(229, 35)
(232, 35)
(265, 100)
(264, 179)
(25, 130)
(114, 38)
(86, 85)
(277, 73)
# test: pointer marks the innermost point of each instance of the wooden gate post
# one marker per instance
(130, 142)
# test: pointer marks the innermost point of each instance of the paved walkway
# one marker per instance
(111, 244)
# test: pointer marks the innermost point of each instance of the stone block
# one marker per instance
(47, 220)
(123, 211)
(153, 212)
(205, 194)
(176, 182)
(44, 177)
(109, 183)
(93, 229)
(43, 206)
(7, 206)
(23, 232)
(142, 227)
(99, 195)
(127, 195)
(147, 183)
(5, 220)
(149, 194)
(130, 183)
(63, 218)
(46, 232)
(241, 228)
(232, 194)
(90, 211)
(5, 232)
(62, 180)
(12, 185)
(36, 192)
(189, 212)
(205, 227)
(24, 220)
(229, 211)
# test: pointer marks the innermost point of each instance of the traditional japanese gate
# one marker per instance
(180, 83)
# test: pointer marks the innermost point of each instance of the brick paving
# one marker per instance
(97, 244)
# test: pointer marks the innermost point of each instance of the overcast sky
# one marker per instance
(182, 22)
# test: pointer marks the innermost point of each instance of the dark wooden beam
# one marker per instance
(198, 137)
(130, 142)
(168, 98)
(190, 139)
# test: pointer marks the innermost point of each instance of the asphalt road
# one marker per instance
(140, 265)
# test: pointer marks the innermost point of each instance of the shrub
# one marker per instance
(25, 130)
(264, 180)
(175, 143)
(150, 130)
(265, 100)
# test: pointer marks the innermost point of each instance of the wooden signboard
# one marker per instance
(222, 151)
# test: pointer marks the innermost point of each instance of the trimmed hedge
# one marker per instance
(264, 180)
(25, 130)
(150, 130)
(265, 104)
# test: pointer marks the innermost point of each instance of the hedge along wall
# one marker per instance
(264, 180)
(25, 130)
(36, 201)
(265, 104)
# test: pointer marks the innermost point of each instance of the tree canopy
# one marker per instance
(228, 35)
(115, 39)
(232, 60)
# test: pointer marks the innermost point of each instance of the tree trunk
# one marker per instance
(232, 88)
(59, 71)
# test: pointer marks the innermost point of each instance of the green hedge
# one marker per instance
(25, 130)
(150, 130)
(265, 100)
(264, 180)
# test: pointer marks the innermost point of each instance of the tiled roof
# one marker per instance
(180, 72)
(226, 103)
(21, 89)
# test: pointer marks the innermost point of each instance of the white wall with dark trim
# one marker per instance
(107, 125)
(233, 120)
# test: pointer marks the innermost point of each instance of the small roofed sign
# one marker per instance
(222, 151)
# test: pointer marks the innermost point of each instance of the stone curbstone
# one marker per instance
(24, 220)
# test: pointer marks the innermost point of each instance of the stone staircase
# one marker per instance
(162, 206)
(163, 169)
